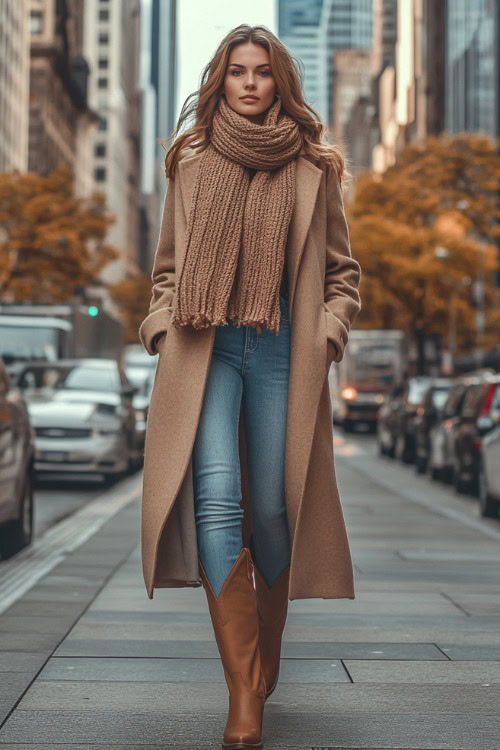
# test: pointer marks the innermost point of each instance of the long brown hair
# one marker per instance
(201, 104)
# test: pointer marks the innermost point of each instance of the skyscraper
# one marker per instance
(58, 105)
(314, 30)
(14, 84)
(472, 66)
(158, 83)
(112, 49)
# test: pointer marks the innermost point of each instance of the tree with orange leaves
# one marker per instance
(50, 240)
(426, 234)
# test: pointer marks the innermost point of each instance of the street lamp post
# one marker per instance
(449, 354)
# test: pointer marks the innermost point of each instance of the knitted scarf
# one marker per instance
(237, 226)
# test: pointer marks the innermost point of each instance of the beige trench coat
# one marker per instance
(323, 303)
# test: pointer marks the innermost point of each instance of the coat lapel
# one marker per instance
(308, 178)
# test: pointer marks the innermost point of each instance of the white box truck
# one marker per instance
(374, 361)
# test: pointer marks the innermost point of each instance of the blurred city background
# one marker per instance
(90, 93)
(409, 89)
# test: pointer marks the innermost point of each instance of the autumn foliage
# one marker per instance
(426, 235)
(50, 240)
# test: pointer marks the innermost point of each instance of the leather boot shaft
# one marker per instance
(272, 607)
(236, 628)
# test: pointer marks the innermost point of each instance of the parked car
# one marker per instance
(143, 379)
(83, 416)
(17, 450)
(427, 415)
(481, 401)
(134, 355)
(489, 467)
(442, 435)
(396, 426)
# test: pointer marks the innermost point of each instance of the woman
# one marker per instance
(254, 293)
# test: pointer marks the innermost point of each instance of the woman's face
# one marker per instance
(249, 74)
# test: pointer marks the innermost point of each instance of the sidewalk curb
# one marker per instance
(57, 585)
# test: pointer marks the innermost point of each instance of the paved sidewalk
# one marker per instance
(88, 661)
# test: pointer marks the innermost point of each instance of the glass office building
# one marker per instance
(472, 66)
(314, 30)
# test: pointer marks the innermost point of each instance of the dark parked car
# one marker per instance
(441, 450)
(489, 467)
(396, 422)
(17, 450)
(427, 416)
(481, 402)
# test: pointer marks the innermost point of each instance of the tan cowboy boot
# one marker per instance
(236, 628)
(272, 607)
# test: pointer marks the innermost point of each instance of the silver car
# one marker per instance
(83, 416)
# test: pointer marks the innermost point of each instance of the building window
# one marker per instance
(103, 124)
(103, 37)
(102, 83)
(104, 14)
(36, 22)
(100, 149)
(100, 174)
(103, 63)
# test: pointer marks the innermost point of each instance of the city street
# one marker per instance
(88, 661)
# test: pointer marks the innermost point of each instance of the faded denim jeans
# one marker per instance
(254, 367)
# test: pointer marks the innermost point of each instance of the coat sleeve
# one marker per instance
(162, 276)
(342, 274)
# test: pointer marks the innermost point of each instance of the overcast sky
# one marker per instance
(201, 26)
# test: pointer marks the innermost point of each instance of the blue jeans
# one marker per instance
(254, 367)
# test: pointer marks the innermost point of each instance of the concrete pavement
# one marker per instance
(88, 661)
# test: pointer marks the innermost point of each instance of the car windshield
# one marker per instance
(24, 343)
(417, 390)
(141, 378)
(439, 396)
(76, 377)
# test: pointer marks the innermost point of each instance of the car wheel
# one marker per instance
(399, 447)
(391, 451)
(458, 483)
(16, 535)
(382, 451)
(110, 479)
(131, 466)
(402, 449)
(420, 465)
(446, 474)
(435, 473)
(488, 505)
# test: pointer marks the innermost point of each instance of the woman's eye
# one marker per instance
(265, 72)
